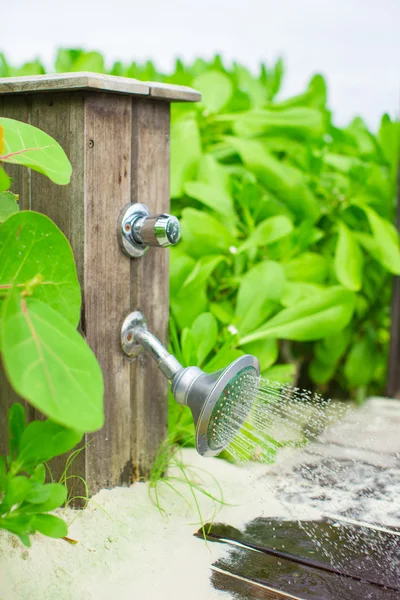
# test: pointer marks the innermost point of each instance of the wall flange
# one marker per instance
(138, 230)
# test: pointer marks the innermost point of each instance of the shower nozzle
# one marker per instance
(220, 402)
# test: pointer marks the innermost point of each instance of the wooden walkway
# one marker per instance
(349, 482)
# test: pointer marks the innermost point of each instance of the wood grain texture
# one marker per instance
(150, 282)
(97, 82)
(119, 150)
(393, 377)
(108, 126)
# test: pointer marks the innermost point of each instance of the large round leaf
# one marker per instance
(33, 249)
(29, 146)
(49, 364)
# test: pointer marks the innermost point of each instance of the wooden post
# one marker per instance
(393, 378)
(116, 133)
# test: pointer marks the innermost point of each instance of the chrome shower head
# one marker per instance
(220, 402)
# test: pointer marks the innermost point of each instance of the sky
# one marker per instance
(354, 43)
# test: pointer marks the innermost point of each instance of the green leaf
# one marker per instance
(185, 153)
(204, 234)
(35, 254)
(287, 182)
(20, 525)
(348, 259)
(3, 475)
(8, 205)
(203, 270)
(204, 331)
(294, 292)
(265, 350)
(332, 348)
(281, 373)
(190, 299)
(50, 525)
(29, 146)
(312, 319)
(389, 139)
(360, 364)
(43, 440)
(308, 267)
(189, 354)
(268, 231)
(387, 240)
(259, 291)
(321, 372)
(222, 359)
(216, 89)
(5, 181)
(57, 372)
(180, 267)
(16, 427)
(39, 474)
(16, 491)
(38, 493)
(57, 494)
(223, 311)
(299, 122)
(212, 187)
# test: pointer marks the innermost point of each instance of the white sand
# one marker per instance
(131, 551)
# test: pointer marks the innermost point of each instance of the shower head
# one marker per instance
(220, 402)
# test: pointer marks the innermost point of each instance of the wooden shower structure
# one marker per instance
(116, 133)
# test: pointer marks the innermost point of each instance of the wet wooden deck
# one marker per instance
(349, 479)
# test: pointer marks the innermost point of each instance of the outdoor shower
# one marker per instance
(220, 401)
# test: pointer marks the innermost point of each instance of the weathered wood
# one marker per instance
(107, 280)
(149, 276)
(118, 142)
(393, 379)
(96, 82)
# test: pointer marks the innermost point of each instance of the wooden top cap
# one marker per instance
(58, 82)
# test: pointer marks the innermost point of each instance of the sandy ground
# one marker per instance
(126, 549)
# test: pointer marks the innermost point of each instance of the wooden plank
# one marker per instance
(393, 377)
(174, 93)
(96, 82)
(150, 283)
(14, 108)
(107, 156)
(61, 115)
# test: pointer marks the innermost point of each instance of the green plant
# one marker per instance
(188, 482)
(45, 359)
(288, 247)
(25, 498)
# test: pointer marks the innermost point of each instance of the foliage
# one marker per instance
(288, 247)
(25, 498)
(46, 360)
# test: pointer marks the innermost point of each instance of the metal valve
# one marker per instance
(138, 230)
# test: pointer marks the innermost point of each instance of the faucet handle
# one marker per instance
(138, 230)
(158, 230)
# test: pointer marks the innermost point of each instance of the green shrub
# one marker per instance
(288, 245)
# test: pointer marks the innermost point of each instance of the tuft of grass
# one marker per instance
(170, 471)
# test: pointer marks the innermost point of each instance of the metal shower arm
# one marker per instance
(136, 337)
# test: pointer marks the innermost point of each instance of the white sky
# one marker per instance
(354, 43)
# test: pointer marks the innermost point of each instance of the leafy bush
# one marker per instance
(25, 498)
(45, 359)
(288, 246)
(40, 294)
